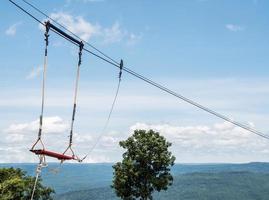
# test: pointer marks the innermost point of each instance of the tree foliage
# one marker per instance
(145, 166)
(15, 184)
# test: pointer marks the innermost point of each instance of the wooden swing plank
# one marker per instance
(59, 156)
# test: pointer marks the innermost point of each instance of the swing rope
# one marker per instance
(42, 163)
(75, 104)
(109, 115)
(39, 139)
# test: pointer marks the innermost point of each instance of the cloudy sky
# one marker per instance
(213, 52)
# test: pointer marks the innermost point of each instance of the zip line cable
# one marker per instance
(39, 21)
(26, 12)
(161, 87)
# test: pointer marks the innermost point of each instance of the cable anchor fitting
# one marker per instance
(81, 45)
(47, 25)
(121, 66)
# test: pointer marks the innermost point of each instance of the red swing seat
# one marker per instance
(59, 156)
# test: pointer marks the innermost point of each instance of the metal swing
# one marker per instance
(43, 152)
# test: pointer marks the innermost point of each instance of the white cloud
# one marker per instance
(204, 135)
(221, 142)
(77, 25)
(87, 30)
(133, 38)
(12, 30)
(217, 141)
(109, 141)
(19, 137)
(98, 159)
(35, 72)
(50, 125)
(14, 137)
(234, 27)
(114, 33)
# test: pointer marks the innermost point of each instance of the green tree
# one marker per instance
(145, 167)
(16, 185)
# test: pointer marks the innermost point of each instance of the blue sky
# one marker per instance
(214, 52)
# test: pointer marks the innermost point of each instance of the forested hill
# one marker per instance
(193, 186)
(208, 181)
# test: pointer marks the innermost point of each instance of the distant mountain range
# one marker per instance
(196, 186)
(191, 181)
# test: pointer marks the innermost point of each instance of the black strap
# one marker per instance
(121, 66)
